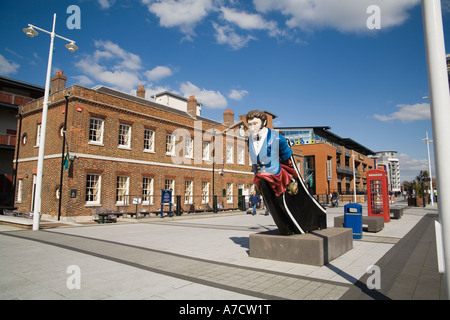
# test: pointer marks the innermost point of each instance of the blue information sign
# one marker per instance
(166, 197)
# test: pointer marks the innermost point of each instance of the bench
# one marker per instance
(208, 208)
(397, 212)
(374, 224)
(144, 213)
(339, 221)
(14, 213)
(107, 216)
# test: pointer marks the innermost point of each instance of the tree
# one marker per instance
(416, 185)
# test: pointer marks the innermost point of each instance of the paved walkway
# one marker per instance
(206, 258)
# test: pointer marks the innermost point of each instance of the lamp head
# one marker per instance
(30, 32)
(71, 47)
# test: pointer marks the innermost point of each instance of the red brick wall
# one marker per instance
(322, 152)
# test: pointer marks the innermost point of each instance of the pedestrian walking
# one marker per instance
(254, 201)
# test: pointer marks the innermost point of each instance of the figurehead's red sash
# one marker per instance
(279, 181)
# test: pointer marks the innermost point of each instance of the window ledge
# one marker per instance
(93, 143)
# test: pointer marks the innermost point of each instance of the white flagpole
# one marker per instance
(440, 118)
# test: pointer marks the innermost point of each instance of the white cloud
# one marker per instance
(307, 15)
(209, 98)
(36, 57)
(8, 67)
(158, 73)
(408, 113)
(119, 69)
(13, 53)
(83, 80)
(184, 14)
(409, 163)
(127, 59)
(237, 94)
(106, 4)
(342, 15)
(112, 66)
(411, 167)
(227, 35)
(248, 21)
(120, 79)
(445, 4)
(150, 90)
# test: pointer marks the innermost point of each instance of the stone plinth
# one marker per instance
(315, 248)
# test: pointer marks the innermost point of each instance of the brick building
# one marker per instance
(328, 160)
(124, 148)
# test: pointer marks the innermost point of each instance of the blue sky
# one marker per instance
(310, 62)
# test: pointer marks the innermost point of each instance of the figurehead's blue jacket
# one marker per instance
(273, 150)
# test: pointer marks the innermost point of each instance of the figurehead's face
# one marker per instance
(255, 125)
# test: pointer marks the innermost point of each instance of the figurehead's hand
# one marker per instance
(288, 163)
(292, 187)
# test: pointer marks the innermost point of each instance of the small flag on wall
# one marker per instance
(66, 159)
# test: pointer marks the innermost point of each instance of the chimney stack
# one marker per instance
(140, 92)
(58, 82)
(192, 106)
(228, 118)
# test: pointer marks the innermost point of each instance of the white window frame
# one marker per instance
(170, 144)
(19, 190)
(100, 124)
(38, 136)
(229, 192)
(205, 192)
(205, 150)
(33, 193)
(188, 191)
(147, 190)
(241, 155)
(124, 136)
(122, 190)
(189, 147)
(149, 140)
(230, 153)
(96, 187)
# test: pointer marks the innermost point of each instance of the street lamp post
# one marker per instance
(66, 112)
(354, 177)
(31, 32)
(429, 168)
(213, 181)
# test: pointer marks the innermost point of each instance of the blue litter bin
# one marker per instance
(353, 219)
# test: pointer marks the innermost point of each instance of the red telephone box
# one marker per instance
(378, 194)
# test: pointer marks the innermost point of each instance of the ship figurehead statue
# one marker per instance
(277, 178)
